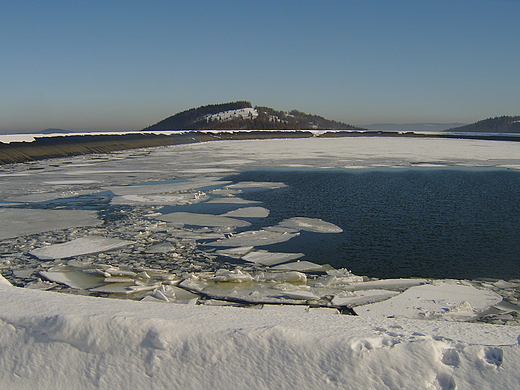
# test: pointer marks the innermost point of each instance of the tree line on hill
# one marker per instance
(498, 124)
(267, 119)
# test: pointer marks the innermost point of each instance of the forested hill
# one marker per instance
(498, 124)
(241, 115)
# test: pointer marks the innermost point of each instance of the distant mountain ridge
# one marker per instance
(498, 124)
(241, 115)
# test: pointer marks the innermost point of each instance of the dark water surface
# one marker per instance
(436, 223)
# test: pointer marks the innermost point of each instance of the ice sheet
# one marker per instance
(20, 222)
(299, 266)
(248, 212)
(72, 278)
(311, 224)
(270, 258)
(202, 220)
(163, 188)
(79, 246)
(255, 238)
(254, 184)
(160, 199)
(231, 200)
(235, 253)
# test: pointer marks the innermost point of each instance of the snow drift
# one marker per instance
(60, 341)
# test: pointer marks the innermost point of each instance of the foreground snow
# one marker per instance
(58, 341)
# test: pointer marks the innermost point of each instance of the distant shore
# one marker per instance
(56, 146)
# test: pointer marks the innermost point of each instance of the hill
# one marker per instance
(241, 115)
(498, 124)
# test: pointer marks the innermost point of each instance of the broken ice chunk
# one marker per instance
(118, 280)
(290, 277)
(160, 295)
(311, 224)
(139, 288)
(364, 297)
(303, 295)
(160, 199)
(299, 266)
(235, 253)
(202, 220)
(225, 192)
(270, 258)
(149, 189)
(165, 247)
(255, 238)
(231, 200)
(119, 272)
(114, 288)
(79, 246)
(394, 284)
(256, 184)
(235, 276)
(248, 212)
(72, 278)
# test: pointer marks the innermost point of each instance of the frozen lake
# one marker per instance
(285, 219)
(176, 233)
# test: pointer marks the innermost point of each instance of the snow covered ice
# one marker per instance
(186, 318)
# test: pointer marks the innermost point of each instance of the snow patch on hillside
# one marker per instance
(242, 113)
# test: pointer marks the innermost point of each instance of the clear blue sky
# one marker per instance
(122, 65)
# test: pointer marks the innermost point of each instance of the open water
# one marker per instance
(420, 222)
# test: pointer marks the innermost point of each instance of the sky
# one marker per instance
(123, 65)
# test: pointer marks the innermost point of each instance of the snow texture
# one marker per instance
(57, 341)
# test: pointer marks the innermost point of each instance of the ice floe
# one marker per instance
(255, 184)
(79, 246)
(160, 199)
(202, 220)
(299, 266)
(163, 188)
(232, 200)
(310, 224)
(19, 222)
(270, 258)
(72, 278)
(255, 238)
(248, 212)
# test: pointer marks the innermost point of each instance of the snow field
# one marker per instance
(100, 343)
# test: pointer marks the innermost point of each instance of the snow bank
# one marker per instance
(58, 341)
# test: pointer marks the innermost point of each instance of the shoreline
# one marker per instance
(56, 146)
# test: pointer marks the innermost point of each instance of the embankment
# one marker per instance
(73, 145)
